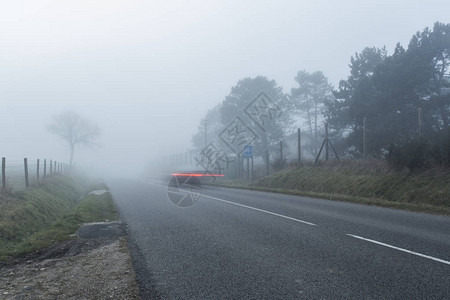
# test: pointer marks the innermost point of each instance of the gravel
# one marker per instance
(94, 268)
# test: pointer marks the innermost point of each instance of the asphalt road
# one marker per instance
(238, 244)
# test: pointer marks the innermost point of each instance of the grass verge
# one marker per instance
(370, 183)
(48, 213)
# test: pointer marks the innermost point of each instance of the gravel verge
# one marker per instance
(97, 267)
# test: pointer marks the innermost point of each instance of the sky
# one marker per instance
(146, 72)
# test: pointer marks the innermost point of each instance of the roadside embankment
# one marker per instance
(62, 239)
(365, 182)
(48, 213)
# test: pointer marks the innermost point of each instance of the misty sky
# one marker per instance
(147, 71)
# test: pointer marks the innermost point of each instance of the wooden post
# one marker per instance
(45, 167)
(326, 142)
(51, 167)
(268, 162)
(334, 150)
(25, 165)
(320, 151)
(299, 158)
(3, 173)
(37, 170)
(242, 167)
(248, 168)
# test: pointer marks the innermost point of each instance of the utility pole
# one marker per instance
(25, 165)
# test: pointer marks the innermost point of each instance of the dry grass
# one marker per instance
(48, 213)
(362, 181)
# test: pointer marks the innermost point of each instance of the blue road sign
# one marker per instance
(248, 152)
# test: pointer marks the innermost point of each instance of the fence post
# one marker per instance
(268, 162)
(55, 171)
(3, 173)
(51, 167)
(37, 170)
(25, 165)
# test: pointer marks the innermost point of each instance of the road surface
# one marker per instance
(239, 244)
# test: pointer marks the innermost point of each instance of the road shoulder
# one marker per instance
(94, 268)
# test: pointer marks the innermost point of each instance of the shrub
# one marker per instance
(278, 164)
(414, 154)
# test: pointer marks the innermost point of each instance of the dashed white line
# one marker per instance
(312, 224)
(261, 210)
(401, 249)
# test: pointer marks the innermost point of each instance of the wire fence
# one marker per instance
(18, 175)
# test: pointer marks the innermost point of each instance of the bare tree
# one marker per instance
(75, 130)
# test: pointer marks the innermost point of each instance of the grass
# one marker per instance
(365, 182)
(47, 213)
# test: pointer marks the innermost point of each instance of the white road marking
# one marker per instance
(261, 210)
(250, 207)
(312, 224)
(401, 249)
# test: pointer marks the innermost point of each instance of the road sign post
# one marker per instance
(248, 151)
(248, 154)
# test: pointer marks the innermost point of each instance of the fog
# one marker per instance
(146, 72)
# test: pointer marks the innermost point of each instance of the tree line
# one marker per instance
(401, 102)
